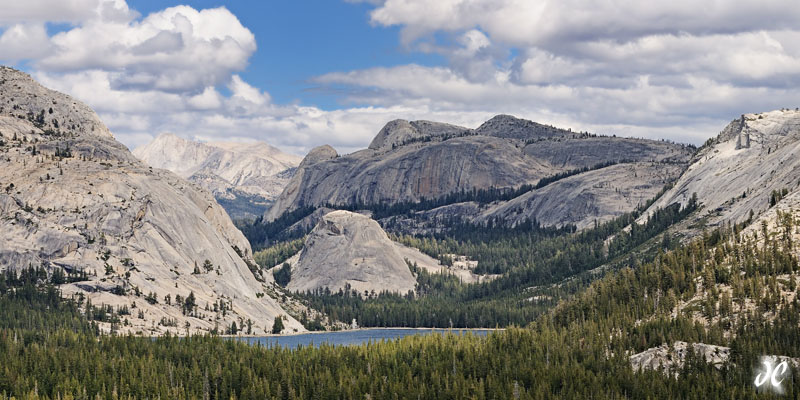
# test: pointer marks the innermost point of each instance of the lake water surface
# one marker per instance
(353, 337)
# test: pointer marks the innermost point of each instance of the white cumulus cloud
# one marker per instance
(177, 49)
(677, 70)
(24, 41)
(61, 11)
(649, 68)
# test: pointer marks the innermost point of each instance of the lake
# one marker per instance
(352, 337)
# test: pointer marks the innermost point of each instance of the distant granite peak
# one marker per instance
(400, 132)
(510, 127)
(245, 177)
(319, 154)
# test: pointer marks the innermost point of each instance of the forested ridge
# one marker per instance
(577, 305)
(539, 266)
(577, 350)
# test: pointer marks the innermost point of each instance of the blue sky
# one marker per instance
(298, 74)
(298, 40)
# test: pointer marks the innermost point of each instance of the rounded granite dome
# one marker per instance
(319, 154)
(393, 133)
(348, 249)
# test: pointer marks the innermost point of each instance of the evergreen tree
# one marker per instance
(277, 325)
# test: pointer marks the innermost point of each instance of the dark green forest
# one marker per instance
(532, 260)
(579, 349)
(575, 305)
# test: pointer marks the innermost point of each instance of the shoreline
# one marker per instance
(357, 330)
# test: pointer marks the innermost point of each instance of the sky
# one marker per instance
(298, 74)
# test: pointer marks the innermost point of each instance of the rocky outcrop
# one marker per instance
(582, 200)
(319, 154)
(74, 198)
(669, 358)
(666, 358)
(738, 171)
(410, 161)
(245, 177)
(350, 250)
(50, 112)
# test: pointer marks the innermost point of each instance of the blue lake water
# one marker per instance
(346, 338)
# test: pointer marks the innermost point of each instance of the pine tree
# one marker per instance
(189, 304)
(277, 325)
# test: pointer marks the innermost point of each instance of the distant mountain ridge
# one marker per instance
(410, 161)
(244, 177)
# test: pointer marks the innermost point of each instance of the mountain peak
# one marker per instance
(762, 129)
(169, 151)
(51, 112)
(319, 154)
(128, 227)
(399, 132)
(395, 132)
(776, 122)
(511, 127)
(499, 118)
(168, 136)
(243, 176)
(737, 172)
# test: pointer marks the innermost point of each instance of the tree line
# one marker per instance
(579, 349)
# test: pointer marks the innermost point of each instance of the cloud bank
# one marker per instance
(678, 70)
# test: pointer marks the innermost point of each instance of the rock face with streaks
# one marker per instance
(739, 170)
(411, 161)
(350, 250)
(72, 197)
(585, 199)
(244, 177)
(408, 173)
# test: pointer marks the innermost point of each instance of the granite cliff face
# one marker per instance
(739, 170)
(244, 177)
(581, 200)
(408, 173)
(411, 161)
(349, 249)
(76, 199)
(585, 199)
